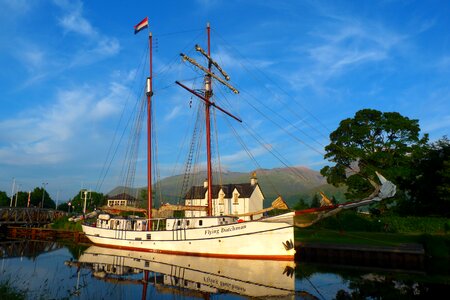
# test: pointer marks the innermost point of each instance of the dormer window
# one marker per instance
(235, 198)
(221, 198)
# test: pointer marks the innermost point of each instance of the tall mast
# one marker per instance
(206, 99)
(149, 133)
(208, 94)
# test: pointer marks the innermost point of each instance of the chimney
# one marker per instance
(205, 183)
(253, 179)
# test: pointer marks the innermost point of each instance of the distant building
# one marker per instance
(227, 199)
(122, 199)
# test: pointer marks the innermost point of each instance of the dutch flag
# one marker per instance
(141, 25)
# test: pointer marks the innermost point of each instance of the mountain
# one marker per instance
(291, 183)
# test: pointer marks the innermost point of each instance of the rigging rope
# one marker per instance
(354, 156)
(108, 160)
(131, 154)
(190, 156)
(217, 147)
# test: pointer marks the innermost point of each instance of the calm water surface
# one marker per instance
(41, 270)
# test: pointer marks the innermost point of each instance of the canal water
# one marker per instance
(50, 270)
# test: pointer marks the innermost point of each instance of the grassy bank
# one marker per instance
(352, 228)
(7, 291)
(64, 224)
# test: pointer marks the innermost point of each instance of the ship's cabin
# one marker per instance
(121, 223)
(140, 224)
(198, 222)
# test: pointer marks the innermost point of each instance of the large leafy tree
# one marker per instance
(4, 199)
(22, 199)
(94, 200)
(36, 198)
(428, 190)
(372, 141)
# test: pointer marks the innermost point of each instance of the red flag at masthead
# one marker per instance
(141, 25)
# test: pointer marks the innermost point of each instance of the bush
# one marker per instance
(351, 220)
(415, 224)
(7, 291)
(64, 224)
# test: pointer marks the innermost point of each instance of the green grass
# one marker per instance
(7, 291)
(351, 228)
(64, 224)
(354, 237)
(437, 246)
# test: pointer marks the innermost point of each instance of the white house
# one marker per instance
(227, 199)
(122, 199)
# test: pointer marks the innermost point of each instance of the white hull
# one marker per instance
(256, 278)
(254, 239)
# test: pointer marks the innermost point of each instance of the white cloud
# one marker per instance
(99, 46)
(111, 104)
(175, 112)
(436, 124)
(73, 21)
(349, 46)
(47, 135)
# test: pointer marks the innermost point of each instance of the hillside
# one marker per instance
(291, 183)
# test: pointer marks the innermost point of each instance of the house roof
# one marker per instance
(122, 196)
(198, 192)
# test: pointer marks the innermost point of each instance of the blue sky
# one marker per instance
(70, 68)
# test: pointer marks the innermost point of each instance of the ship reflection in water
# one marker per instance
(190, 275)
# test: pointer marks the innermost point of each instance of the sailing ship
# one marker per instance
(211, 235)
(191, 275)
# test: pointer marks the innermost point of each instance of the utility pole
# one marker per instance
(85, 193)
(43, 193)
(57, 199)
(17, 195)
(12, 192)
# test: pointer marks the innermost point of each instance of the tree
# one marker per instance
(428, 189)
(36, 198)
(63, 206)
(315, 202)
(372, 141)
(22, 199)
(301, 204)
(4, 199)
(96, 200)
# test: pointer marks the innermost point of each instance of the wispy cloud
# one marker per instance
(175, 112)
(48, 134)
(42, 61)
(99, 47)
(351, 45)
(73, 20)
(436, 124)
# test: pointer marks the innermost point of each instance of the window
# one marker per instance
(200, 222)
(149, 236)
(178, 223)
(235, 198)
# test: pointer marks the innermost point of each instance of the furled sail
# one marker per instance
(276, 204)
(307, 217)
